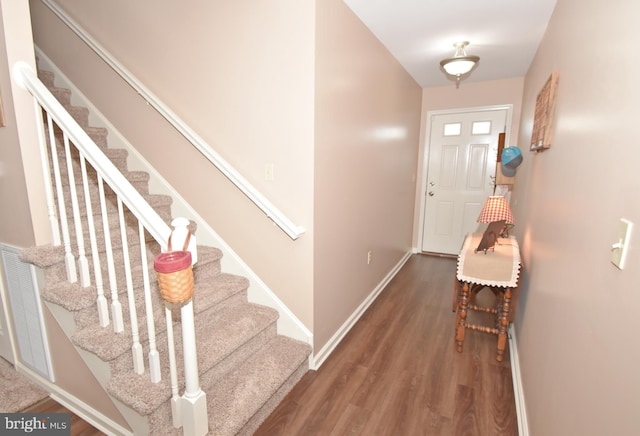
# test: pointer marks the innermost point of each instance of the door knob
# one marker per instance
(431, 194)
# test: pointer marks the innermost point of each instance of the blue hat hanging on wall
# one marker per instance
(511, 159)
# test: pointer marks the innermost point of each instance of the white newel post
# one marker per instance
(194, 401)
(176, 284)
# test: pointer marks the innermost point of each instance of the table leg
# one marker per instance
(461, 316)
(504, 322)
(499, 308)
(456, 291)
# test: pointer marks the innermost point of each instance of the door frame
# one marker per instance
(426, 148)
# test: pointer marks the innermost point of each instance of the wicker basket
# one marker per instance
(175, 274)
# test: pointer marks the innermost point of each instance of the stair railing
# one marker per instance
(276, 215)
(59, 133)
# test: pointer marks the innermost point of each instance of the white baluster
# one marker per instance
(101, 301)
(69, 259)
(154, 357)
(116, 307)
(48, 185)
(136, 347)
(83, 264)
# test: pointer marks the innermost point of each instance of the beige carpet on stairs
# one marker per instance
(18, 392)
(245, 366)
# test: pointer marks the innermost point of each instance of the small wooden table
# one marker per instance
(498, 270)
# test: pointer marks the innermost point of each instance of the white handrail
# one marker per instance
(193, 405)
(24, 75)
(272, 212)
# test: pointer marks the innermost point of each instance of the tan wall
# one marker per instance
(73, 375)
(577, 323)
(490, 93)
(16, 225)
(367, 137)
(242, 74)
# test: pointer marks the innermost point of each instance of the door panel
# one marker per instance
(477, 167)
(444, 217)
(461, 168)
(449, 166)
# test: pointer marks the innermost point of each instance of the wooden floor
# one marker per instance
(397, 372)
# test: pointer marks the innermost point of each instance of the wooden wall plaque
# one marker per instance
(544, 112)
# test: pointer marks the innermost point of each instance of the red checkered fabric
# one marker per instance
(496, 208)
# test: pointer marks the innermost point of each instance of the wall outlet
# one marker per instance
(369, 256)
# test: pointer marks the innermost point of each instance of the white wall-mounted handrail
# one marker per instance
(278, 217)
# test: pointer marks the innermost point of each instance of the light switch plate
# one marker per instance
(620, 246)
(269, 172)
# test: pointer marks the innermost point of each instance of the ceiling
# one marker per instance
(420, 33)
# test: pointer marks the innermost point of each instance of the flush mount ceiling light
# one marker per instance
(461, 63)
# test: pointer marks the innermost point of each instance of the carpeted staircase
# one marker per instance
(246, 368)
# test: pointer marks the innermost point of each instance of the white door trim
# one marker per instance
(422, 188)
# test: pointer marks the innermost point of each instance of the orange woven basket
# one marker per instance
(175, 274)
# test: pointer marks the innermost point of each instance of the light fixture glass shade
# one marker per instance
(460, 63)
(496, 208)
(458, 66)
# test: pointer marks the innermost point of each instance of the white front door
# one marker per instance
(463, 147)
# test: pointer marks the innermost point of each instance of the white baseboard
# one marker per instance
(319, 358)
(89, 414)
(521, 411)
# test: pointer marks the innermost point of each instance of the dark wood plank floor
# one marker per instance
(397, 371)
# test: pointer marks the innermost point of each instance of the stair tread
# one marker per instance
(92, 130)
(71, 296)
(103, 342)
(235, 399)
(108, 345)
(42, 256)
(206, 295)
(137, 176)
(47, 77)
(218, 336)
(210, 289)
